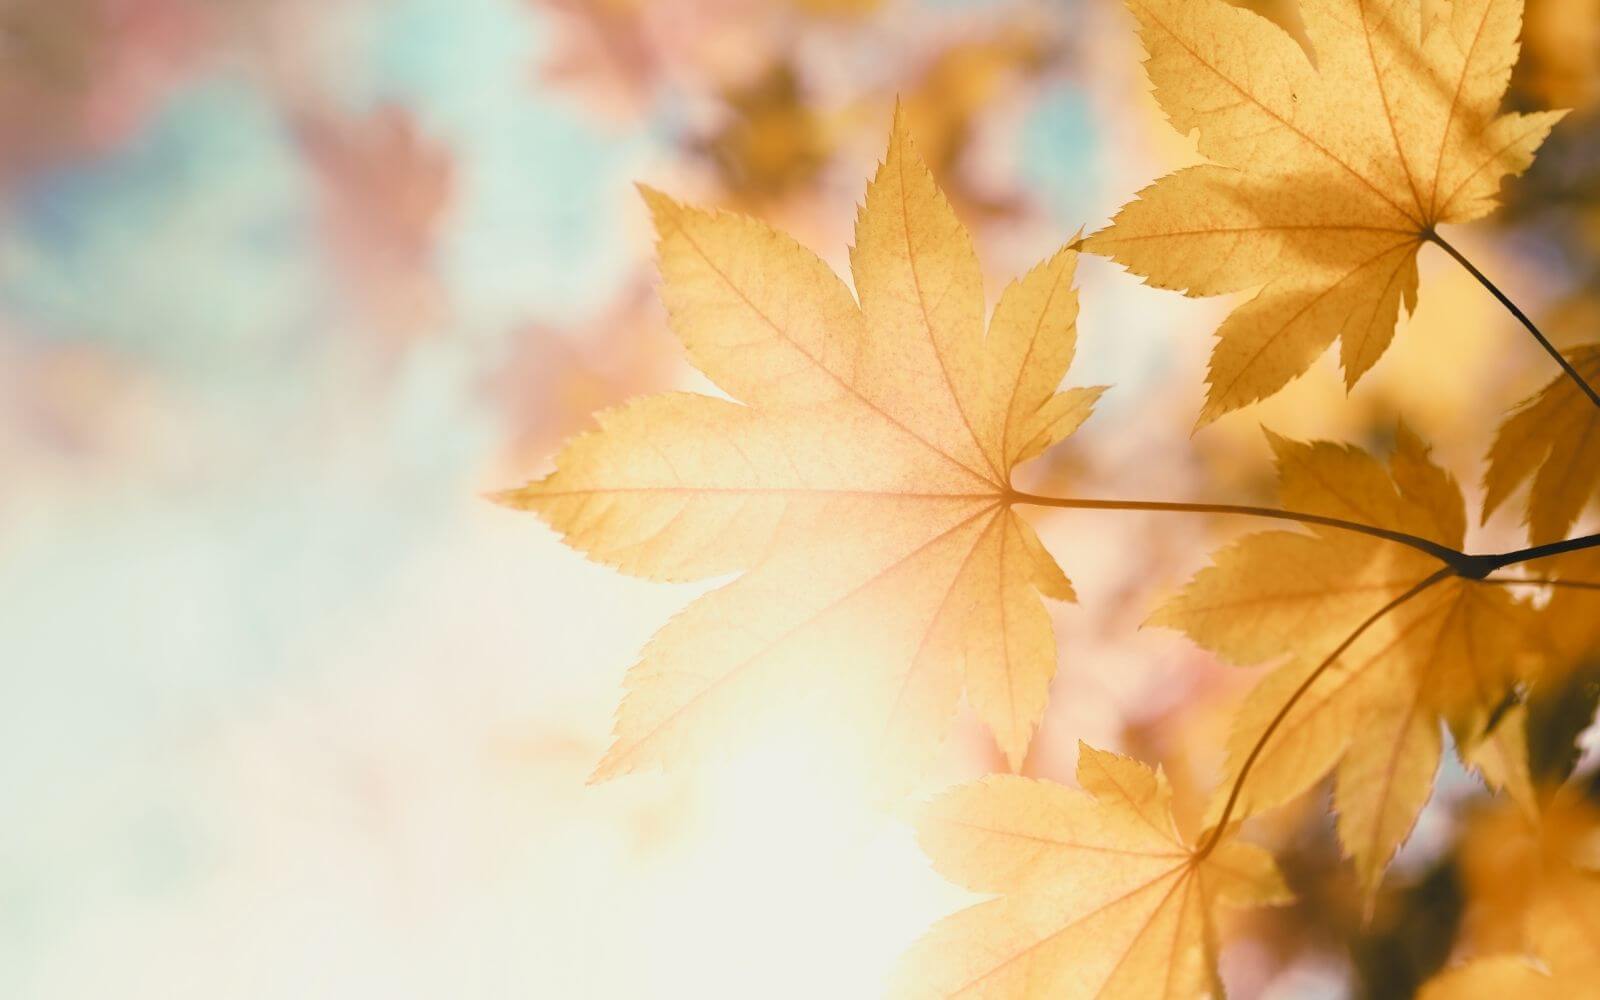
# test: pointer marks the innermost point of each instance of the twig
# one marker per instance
(1305, 685)
(1443, 553)
(1543, 551)
(1483, 280)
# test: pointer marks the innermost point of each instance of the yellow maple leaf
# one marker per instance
(861, 481)
(1553, 437)
(1324, 179)
(1451, 649)
(1098, 893)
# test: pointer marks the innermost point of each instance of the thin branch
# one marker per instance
(1550, 348)
(1456, 563)
(1543, 551)
(1463, 564)
(1293, 699)
(1451, 557)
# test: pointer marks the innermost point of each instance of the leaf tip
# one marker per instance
(1088, 757)
(1161, 617)
(663, 208)
(899, 125)
(1277, 442)
(1209, 413)
(519, 498)
(610, 767)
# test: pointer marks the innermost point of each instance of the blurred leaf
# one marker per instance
(1560, 65)
(947, 102)
(1535, 895)
(385, 190)
(774, 142)
(602, 50)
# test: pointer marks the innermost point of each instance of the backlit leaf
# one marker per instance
(1099, 896)
(1552, 438)
(1325, 177)
(1452, 653)
(860, 480)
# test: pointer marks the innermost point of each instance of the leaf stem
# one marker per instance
(1451, 557)
(1456, 563)
(1483, 280)
(1305, 685)
(1463, 564)
(1543, 551)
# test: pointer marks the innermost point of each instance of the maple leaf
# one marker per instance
(1451, 651)
(1553, 437)
(1098, 893)
(861, 482)
(1324, 179)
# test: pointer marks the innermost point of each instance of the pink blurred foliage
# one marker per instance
(385, 192)
(601, 50)
(553, 379)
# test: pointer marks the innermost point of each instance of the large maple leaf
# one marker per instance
(861, 481)
(1552, 438)
(1099, 894)
(1325, 179)
(1451, 650)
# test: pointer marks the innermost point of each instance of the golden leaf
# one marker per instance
(1553, 438)
(861, 481)
(1373, 714)
(1099, 895)
(1325, 179)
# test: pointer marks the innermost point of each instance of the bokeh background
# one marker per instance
(288, 710)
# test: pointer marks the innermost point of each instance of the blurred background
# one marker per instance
(289, 710)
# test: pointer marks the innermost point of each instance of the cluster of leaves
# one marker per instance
(859, 477)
